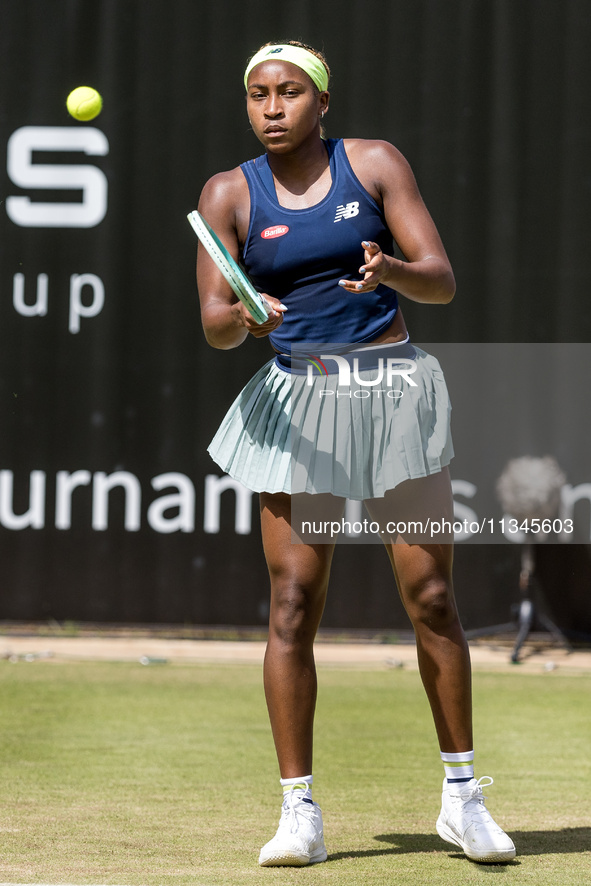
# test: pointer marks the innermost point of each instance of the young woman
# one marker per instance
(314, 221)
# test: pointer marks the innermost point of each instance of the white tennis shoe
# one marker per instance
(300, 836)
(465, 821)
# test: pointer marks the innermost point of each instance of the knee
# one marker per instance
(433, 605)
(296, 609)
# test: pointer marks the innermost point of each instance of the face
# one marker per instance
(284, 106)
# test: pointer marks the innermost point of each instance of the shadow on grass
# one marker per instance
(567, 840)
(552, 842)
(403, 844)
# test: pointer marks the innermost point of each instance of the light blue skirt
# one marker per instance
(292, 433)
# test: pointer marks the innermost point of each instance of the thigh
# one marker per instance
(420, 545)
(296, 569)
(417, 511)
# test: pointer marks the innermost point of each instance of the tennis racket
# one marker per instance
(258, 306)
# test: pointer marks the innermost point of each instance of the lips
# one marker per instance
(274, 130)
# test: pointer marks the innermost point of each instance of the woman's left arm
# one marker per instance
(426, 274)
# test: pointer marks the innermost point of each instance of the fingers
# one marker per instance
(372, 259)
(275, 305)
(370, 248)
(274, 320)
(373, 269)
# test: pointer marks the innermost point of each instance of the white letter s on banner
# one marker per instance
(87, 178)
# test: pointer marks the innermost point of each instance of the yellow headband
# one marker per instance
(305, 60)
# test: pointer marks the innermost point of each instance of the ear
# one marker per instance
(323, 100)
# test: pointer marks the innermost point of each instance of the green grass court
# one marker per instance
(124, 774)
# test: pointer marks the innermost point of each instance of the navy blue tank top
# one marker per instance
(299, 255)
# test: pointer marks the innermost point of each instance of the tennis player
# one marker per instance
(314, 222)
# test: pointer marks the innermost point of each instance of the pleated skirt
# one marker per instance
(289, 433)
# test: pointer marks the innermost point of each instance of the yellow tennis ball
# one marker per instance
(84, 103)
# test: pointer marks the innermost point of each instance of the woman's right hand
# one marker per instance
(259, 330)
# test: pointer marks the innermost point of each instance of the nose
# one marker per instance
(273, 106)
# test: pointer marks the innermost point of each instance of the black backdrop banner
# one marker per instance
(110, 509)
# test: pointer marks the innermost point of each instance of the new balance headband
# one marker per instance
(296, 55)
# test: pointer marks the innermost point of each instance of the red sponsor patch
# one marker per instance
(275, 231)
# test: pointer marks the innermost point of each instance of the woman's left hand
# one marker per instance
(375, 269)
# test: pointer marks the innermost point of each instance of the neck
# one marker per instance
(299, 169)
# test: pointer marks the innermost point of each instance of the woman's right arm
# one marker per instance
(226, 321)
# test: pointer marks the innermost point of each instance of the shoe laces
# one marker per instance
(473, 798)
(474, 791)
(294, 805)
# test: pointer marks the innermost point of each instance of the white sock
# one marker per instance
(459, 768)
(302, 785)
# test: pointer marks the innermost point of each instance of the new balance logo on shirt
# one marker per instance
(348, 211)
